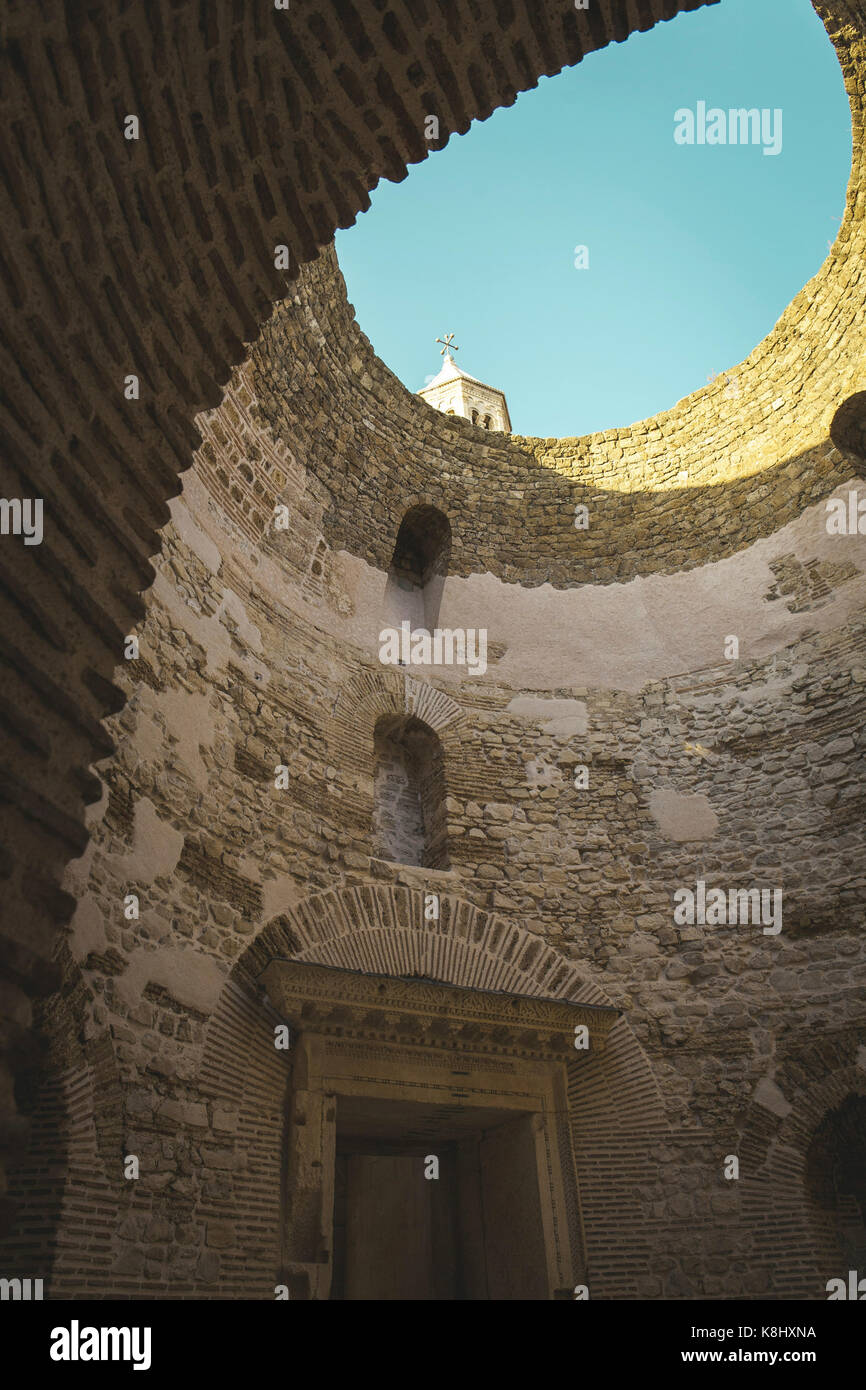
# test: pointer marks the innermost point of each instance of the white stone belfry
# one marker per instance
(457, 393)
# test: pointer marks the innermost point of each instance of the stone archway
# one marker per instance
(381, 930)
(372, 695)
(780, 1208)
(836, 1183)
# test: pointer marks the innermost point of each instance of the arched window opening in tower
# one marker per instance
(836, 1184)
(409, 825)
(419, 566)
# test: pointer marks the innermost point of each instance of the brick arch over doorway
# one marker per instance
(619, 1120)
(778, 1210)
(156, 256)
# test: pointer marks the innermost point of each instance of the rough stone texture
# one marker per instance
(149, 1036)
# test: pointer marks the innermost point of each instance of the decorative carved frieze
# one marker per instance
(428, 1013)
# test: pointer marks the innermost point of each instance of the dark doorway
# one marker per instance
(836, 1182)
(395, 1231)
(472, 1232)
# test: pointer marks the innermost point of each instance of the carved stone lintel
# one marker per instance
(428, 1013)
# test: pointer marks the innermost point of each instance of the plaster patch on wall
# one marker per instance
(665, 624)
(156, 847)
(192, 979)
(189, 720)
(239, 624)
(279, 895)
(542, 774)
(562, 716)
(768, 1095)
(193, 536)
(775, 690)
(683, 817)
(221, 635)
(149, 738)
(76, 875)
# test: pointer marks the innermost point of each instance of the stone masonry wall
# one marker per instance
(746, 773)
(161, 257)
(689, 486)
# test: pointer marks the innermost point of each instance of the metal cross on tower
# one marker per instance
(448, 344)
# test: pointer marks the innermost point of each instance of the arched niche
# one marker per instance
(409, 824)
(836, 1185)
(419, 566)
(848, 429)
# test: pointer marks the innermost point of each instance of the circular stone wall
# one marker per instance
(259, 647)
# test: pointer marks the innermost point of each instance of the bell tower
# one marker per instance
(455, 392)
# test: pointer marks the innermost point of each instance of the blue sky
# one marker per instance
(694, 251)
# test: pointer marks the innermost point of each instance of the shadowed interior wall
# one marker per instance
(836, 1179)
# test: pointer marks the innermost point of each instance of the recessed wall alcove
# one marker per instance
(836, 1183)
(419, 567)
(409, 824)
(801, 1185)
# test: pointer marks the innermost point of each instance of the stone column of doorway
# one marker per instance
(308, 1226)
